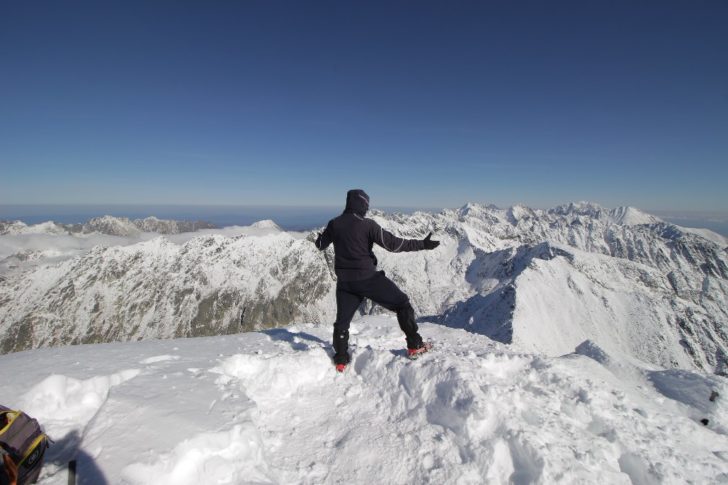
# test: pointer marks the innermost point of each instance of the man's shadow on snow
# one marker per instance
(398, 352)
(297, 340)
(67, 449)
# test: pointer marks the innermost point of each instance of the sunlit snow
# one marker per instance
(269, 407)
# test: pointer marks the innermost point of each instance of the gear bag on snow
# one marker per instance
(23, 439)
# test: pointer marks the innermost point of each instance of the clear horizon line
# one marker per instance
(675, 212)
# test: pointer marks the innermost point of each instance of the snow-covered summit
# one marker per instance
(115, 226)
(519, 212)
(474, 209)
(628, 216)
(268, 407)
(123, 226)
(19, 227)
(571, 213)
(266, 224)
(582, 208)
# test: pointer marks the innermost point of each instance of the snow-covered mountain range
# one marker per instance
(109, 225)
(542, 280)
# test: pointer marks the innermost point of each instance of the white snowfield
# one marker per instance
(268, 407)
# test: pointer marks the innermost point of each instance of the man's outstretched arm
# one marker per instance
(395, 244)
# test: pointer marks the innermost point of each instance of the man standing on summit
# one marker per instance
(357, 277)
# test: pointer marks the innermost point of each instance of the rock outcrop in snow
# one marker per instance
(542, 280)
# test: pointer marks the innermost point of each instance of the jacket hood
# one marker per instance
(357, 201)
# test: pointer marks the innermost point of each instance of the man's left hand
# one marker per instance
(429, 243)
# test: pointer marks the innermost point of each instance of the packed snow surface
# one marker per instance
(268, 407)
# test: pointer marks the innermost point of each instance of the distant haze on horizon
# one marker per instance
(288, 217)
(425, 104)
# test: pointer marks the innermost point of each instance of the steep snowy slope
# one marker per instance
(652, 291)
(556, 296)
(157, 289)
(269, 408)
(622, 278)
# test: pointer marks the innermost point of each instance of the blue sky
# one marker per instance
(422, 104)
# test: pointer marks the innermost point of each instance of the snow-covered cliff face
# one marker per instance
(548, 280)
(541, 280)
(158, 289)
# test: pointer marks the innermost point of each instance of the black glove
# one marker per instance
(429, 244)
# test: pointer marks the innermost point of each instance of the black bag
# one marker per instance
(23, 439)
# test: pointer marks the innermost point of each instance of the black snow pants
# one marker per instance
(382, 291)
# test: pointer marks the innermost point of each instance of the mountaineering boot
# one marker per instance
(341, 360)
(414, 353)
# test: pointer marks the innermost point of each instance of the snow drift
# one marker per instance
(268, 407)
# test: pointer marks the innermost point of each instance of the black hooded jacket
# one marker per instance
(354, 235)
